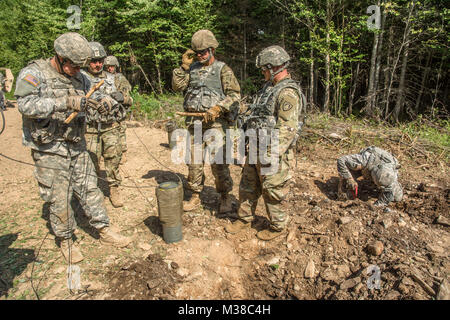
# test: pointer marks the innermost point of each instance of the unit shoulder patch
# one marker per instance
(31, 80)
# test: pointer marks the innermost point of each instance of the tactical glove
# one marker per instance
(76, 103)
(212, 114)
(105, 105)
(127, 100)
(187, 59)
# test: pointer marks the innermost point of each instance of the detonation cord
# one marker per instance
(69, 273)
(3, 121)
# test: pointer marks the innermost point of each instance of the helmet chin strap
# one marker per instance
(209, 57)
(61, 64)
(273, 74)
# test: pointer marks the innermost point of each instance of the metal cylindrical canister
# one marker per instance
(170, 209)
(170, 127)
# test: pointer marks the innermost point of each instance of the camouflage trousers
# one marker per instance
(273, 188)
(59, 179)
(106, 144)
(123, 136)
(221, 172)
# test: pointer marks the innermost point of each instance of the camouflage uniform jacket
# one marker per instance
(41, 96)
(202, 81)
(123, 86)
(117, 112)
(377, 165)
(2, 80)
(278, 107)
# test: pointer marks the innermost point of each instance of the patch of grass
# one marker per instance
(152, 107)
(437, 132)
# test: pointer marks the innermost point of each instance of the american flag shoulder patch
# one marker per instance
(32, 80)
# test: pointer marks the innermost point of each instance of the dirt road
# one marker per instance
(324, 254)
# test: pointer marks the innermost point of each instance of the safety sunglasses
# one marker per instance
(73, 64)
(201, 52)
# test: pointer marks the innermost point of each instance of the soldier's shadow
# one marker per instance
(13, 262)
(328, 188)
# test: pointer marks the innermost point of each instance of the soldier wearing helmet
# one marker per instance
(103, 131)
(5, 86)
(47, 92)
(276, 107)
(112, 66)
(209, 87)
(374, 164)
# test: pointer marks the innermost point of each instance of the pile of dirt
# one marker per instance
(147, 279)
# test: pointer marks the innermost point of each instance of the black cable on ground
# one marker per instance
(3, 121)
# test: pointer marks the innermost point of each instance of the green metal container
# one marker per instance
(170, 209)
(171, 126)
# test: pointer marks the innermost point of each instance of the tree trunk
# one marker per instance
(326, 102)
(311, 78)
(370, 104)
(401, 87)
(388, 75)
(352, 94)
(422, 85)
(376, 100)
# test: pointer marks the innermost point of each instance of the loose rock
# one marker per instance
(310, 270)
(375, 248)
(345, 220)
(350, 283)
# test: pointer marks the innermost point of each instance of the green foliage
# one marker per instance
(149, 36)
(155, 107)
(437, 132)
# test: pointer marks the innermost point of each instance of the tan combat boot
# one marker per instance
(74, 254)
(226, 204)
(109, 237)
(269, 234)
(192, 204)
(115, 197)
(237, 226)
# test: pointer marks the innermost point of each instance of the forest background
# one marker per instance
(352, 60)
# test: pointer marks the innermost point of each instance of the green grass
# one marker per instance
(437, 132)
(152, 107)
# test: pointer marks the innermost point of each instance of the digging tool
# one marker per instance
(93, 89)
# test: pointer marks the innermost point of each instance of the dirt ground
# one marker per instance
(326, 252)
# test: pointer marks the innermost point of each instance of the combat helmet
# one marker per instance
(74, 47)
(273, 56)
(98, 50)
(111, 61)
(203, 39)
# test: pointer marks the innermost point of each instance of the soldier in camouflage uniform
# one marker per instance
(47, 92)
(374, 164)
(122, 84)
(277, 106)
(209, 86)
(103, 131)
